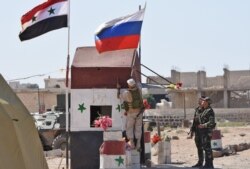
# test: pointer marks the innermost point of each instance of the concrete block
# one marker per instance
(112, 135)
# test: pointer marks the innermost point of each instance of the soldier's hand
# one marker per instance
(201, 126)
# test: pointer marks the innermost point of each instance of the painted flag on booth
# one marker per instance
(120, 33)
(48, 16)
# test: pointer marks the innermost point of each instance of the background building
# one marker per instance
(231, 90)
(41, 99)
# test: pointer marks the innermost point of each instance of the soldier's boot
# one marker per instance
(209, 164)
(199, 164)
(201, 159)
(208, 159)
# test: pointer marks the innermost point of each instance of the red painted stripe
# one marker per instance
(216, 135)
(113, 148)
(117, 43)
(147, 137)
(28, 16)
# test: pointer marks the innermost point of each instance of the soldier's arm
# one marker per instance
(193, 127)
(211, 121)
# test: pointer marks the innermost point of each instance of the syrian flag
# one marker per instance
(120, 33)
(48, 16)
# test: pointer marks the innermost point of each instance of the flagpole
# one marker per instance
(140, 45)
(140, 40)
(134, 54)
(67, 90)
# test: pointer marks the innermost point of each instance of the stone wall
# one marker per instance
(189, 79)
(215, 82)
(175, 117)
(236, 79)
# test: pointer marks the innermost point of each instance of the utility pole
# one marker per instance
(184, 105)
(38, 96)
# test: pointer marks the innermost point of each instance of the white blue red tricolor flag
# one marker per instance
(48, 16)
(120, 33)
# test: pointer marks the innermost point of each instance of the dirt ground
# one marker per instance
(183, 150)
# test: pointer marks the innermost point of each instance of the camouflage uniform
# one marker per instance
(203, 125)
(133, 105)
(207, 119)
(195, 129)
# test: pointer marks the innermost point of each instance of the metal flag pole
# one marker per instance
(150, 78)
(140, 44)
(157, 74)
(67, 91)
(134, 55)
(140, 40)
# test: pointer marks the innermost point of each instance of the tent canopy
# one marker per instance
(20, 143)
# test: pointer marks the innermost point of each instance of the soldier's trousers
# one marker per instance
(134, 125)
(203, 143)
(198, 143)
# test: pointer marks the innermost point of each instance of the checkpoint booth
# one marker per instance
(94, 79)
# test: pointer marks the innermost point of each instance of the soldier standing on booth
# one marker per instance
(133, 105)
(205, 123)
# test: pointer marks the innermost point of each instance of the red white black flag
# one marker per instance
(48, 16)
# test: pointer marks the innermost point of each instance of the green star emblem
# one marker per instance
(51, 11)
(81, 107)
(119, 107)
(215, 144)
(120, 161)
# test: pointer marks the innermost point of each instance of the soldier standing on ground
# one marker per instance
(194, 130)
(205, 125)
(133, 105)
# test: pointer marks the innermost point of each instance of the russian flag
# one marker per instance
(120, 33)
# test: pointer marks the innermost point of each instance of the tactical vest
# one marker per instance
(137, 100)
(205, 117)
(198, 112)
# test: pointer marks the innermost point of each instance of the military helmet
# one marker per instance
(207, 99)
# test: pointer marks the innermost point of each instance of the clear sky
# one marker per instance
(188, 35)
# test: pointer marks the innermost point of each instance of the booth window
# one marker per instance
(96, 111)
